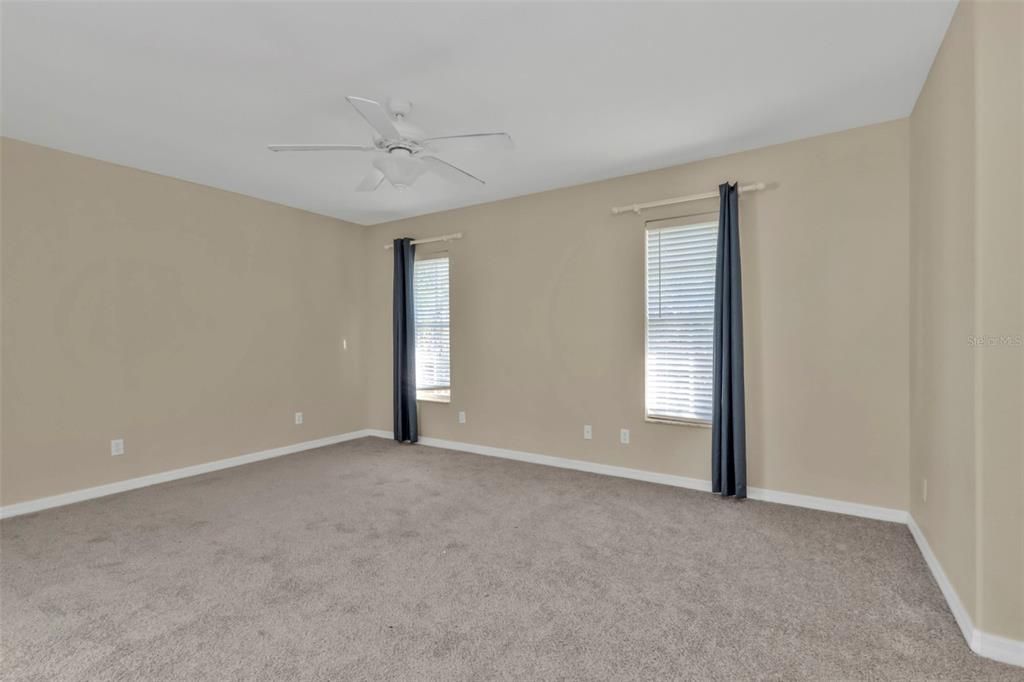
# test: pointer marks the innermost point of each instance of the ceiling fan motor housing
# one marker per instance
(409, 140)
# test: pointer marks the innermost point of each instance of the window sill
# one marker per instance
(437, 396)
(700, 423)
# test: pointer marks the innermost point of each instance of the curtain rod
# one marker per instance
(636, 208)
(442, 238)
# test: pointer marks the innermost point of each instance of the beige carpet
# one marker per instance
(371, 560)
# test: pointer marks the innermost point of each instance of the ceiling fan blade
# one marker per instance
(320, 148)
(371, 181)
(472, 141)
(450, 172)
(376, 116)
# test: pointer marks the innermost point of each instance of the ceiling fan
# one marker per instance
(407, 152)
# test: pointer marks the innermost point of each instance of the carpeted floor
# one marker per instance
(371, 560)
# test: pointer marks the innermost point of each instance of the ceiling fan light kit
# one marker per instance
(407, 153)
(400, 168)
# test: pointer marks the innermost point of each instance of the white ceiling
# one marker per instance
(195, 90)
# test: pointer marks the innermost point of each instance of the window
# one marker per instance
(430, 303)
(680, 321)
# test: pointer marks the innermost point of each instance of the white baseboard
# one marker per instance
(576, 464)
(866, 511)
(982, 643)
(762, 494)
(1002, 649)
(152, 479)
(960, 614)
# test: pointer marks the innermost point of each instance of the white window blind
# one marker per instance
(680, 321)
(430, 301)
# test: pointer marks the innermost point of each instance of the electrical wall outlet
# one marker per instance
(462, 417)
(588, 432)
(298, 417)
(116, 447)
(624, 436)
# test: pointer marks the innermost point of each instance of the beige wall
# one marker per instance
(2, 305)
(967, 245)
(192, 322)
(999, 88)
(547, 319)
(942, 301)
(189, 321)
